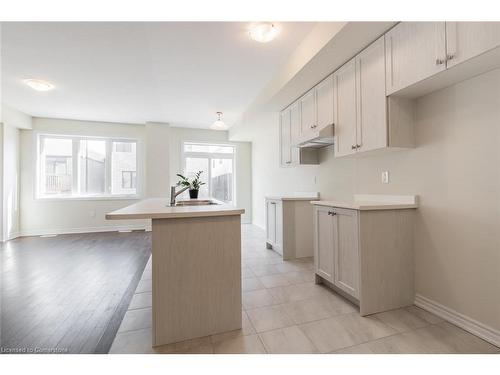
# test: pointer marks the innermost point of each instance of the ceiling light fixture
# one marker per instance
(219, 124)
(38, 84)
(263, 32)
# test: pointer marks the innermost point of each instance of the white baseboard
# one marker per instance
(41, 232)
(473, 326)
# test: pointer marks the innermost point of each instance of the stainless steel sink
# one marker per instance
(196, 202)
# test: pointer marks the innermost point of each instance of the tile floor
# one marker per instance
(285, 312)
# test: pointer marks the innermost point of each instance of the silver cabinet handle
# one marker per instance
(353, 147)
(288, 162)
(358, 146)
(450, 56)
(332, 213)
(440, 61)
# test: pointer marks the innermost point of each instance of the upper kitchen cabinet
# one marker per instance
(372, 127)
(285, 137)
(422, 57)
(289, 129)
(414, 51)
(345, 109)
(324, 103)
(308, 114)
(365, 119)
(465, 40)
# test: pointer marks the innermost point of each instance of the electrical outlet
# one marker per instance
(385, 177)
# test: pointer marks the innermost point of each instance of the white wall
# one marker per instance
(63, 216)
(455, 169)
(160, 149)
(157, 149)
(1, 183)
(268, 178)
(11, 157)
(243, 162)
(10, 160)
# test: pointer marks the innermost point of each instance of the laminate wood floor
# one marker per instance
(68, 294)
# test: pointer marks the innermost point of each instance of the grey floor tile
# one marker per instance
(141, 301)
(345, 330)
(136, 319)
(257, 298)
(251, 283)
(269, 317)
(289, 340)
(240, 345)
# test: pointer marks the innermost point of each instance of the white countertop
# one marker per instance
(159, 208)
(298, 196)
(373, 202)
(290, 198)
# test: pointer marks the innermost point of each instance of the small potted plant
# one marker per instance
(194, 185)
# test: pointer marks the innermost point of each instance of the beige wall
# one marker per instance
(455, 169)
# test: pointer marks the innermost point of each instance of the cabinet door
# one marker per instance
(285, 138)
(345, 109)
(271, 222)
(465, 40)
(278, 219)
(308, 114)
(371, 100)
(414, 51)
(323, 242)
(346, 252)
(324, 103)
(295, 131)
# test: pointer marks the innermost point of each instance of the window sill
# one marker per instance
(97, 198)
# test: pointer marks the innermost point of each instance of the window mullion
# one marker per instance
(107, 166)
(75, 187)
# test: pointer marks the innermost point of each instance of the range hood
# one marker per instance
(323, 138)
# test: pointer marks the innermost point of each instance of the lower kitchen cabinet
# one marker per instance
(323, 242)
(289, 226)
(366, 255)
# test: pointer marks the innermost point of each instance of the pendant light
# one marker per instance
(219, 124)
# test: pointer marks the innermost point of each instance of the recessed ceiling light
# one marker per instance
(38, 84)
(263, 32)
(218, 124)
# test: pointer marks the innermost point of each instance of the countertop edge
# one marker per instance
(173, 215)
(291, 198)
(368, 206)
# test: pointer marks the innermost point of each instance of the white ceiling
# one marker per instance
(176, 72)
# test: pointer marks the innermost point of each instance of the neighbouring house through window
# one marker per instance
(71, 166)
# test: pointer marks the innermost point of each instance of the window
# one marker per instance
(217, 163)
(71, 166)
(128, 179)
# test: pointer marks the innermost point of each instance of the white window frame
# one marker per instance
(74, 195)
(210, 156)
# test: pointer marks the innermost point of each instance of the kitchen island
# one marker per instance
(196, 267)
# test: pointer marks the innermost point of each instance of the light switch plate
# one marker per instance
(385, 177)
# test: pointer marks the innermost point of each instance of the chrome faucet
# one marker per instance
(174, 194)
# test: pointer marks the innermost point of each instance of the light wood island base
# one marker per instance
(196, 277)
(196, 267)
